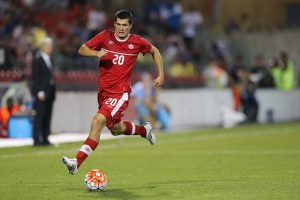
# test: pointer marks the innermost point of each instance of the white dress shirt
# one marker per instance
(47, 60)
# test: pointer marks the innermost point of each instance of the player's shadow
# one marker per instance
(178, 182)
(118, 194)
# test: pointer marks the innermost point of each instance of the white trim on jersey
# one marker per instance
(127, 54)
(120, 40)
(86, 149)
(119, 104)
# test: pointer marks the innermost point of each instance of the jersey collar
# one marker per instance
(119, 40)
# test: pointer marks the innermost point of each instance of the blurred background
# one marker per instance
(226, 62)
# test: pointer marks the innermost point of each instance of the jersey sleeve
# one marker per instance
(145, 46)
(95, 42)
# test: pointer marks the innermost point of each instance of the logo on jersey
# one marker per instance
(130, 46)
(110, 42)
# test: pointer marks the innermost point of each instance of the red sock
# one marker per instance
(87, 148)
(133, 129)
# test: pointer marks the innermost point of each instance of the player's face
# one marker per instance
(122, 28)
(48, 47)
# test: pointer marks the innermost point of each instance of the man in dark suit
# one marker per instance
(43, 91)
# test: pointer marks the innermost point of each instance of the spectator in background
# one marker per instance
(22, 42)
(152, 13)
(96, 19)
(214, 75)
(183, 68)
(163, 115)
(5, 113)
(235, 81)
(232, 26)
(174, 48)
(20, 92)
(284, 73)
(147, 105)
(5, 62)
(144, 94)
(191, 20)
(260, 74)
(43, 91)
(171, 13)
(237, 65)
(220, 50)
(248, 99)
(39, 32)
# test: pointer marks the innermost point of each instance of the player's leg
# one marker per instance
(129, 128)
(47, 122)
(119, 127)
(92, 141)
(89, 145)
(39, 107)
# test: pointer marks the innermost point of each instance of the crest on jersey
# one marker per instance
(130, 46)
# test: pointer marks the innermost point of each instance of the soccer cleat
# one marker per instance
(71, 164)
(150, 135)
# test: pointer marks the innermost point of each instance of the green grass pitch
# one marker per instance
(247, 162)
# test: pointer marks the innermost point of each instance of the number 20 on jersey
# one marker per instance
(118, 59)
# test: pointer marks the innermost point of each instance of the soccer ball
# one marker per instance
(95, 180)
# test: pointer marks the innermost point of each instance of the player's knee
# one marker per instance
(99, 120)
(115, 131)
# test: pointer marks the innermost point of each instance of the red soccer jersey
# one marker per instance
(116, 66)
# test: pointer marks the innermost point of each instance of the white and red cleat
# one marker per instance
(150, 135)
(71, 164)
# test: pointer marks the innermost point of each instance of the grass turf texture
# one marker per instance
(247, 162)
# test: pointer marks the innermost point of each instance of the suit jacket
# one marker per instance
(42, 79)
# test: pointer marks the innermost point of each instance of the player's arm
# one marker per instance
(159, 66)
(84, 50)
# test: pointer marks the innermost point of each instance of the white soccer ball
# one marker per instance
(95, 180)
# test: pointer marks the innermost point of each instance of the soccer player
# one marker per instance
(118, 51)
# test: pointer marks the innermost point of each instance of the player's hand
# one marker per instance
(101, 53)
(41, 96)
(159, 81)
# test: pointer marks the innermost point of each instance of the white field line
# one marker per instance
(200, 138)
(55, 139)
(52, 152)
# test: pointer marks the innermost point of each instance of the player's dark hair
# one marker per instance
(123, 14)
